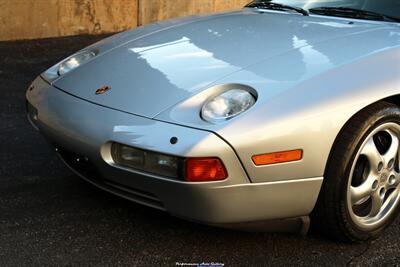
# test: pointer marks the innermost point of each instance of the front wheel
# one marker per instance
(361, 190)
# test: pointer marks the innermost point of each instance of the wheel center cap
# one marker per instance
(384, 177)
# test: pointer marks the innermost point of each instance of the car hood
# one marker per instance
(155, 67)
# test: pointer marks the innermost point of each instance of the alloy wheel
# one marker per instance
(373, 191)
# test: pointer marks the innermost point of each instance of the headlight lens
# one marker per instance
(75, 61)
(227, 105)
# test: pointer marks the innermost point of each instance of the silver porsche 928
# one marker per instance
(258, 118)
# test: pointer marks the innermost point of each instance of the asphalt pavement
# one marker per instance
(48, 216)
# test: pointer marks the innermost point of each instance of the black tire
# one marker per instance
(331, 215)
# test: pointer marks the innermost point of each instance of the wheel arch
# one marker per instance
(329, 206)
(394, 99)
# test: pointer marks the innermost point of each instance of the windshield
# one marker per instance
(389, 8)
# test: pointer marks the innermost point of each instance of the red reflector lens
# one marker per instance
(205, 170)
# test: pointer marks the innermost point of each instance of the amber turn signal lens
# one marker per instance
(204, 170)
(278, 157)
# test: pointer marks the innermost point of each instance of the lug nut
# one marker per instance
(380, 166)
(391, 163)
(392, 180)
(375, 185)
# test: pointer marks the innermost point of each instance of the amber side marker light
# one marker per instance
(278, 157)
(204, 170)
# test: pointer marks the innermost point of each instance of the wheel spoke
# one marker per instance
(377, 203)
(372, 153)
(362, 191)
(392, 153)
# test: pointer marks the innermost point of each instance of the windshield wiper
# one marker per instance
(349, 12)
(276, 6)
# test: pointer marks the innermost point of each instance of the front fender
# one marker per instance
(308, 115)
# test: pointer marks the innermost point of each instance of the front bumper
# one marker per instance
(80, 130)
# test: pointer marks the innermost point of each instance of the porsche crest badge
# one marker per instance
(103, 90)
